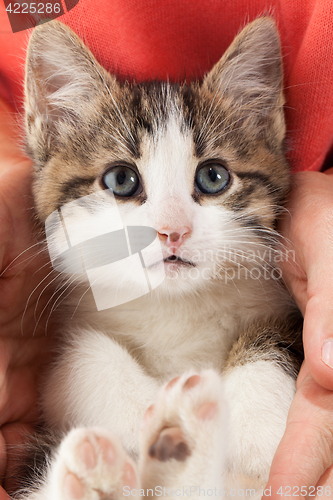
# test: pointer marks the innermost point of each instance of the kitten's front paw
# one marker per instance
(183, 433)
(91, 465)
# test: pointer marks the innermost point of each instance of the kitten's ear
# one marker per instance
(63, 83)
(250, 72)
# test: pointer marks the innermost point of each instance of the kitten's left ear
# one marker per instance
(64, 87)
(250, 74)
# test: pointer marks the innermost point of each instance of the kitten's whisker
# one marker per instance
(57, 277)
(74, 279)
(66, 286)
(48, 302)
(252, 256)
(28, 299)
(264, 265)
(18, 256)
(81, 298)
(47, 264)
(90, 287)
(30, 259)
(71, 290)
(37, 320)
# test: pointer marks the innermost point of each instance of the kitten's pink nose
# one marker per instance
(174, 237)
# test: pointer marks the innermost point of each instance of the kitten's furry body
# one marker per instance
(241, 327)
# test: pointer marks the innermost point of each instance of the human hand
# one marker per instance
(305, 455)
(302, 465)
(24, 347)
(310, 230)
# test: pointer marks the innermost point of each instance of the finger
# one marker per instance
(324, 488)
(15, 435)
(21, 396)
(3, 456)
(3, 494)
(310, 228)
(304, 372)
(24, 266)
(318, 336)
(326, 481)
(305, 451)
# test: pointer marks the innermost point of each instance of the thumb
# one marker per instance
(318, 330)
(305, 451)
(308, 229)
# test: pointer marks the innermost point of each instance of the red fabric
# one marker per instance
(146, 39)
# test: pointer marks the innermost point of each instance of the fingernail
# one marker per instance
(327, 353)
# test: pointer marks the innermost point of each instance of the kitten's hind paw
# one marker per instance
(183, 433)
(91, 464)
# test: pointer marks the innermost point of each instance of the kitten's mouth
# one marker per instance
(174, 259)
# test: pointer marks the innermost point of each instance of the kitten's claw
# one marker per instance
(187, 419)
(91, 465)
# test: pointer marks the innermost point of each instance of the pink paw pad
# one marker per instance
(129, 477)
(73, 488)
(108, 451)
(87, 455)
(207, 411)
(149, 414)
(191, 382)
(171, 383)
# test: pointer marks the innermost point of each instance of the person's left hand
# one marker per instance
(24, 342)
(305, 455)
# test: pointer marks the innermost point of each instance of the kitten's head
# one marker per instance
(201, 164)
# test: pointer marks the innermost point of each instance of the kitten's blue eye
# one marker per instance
(212, 178)
(122, 180)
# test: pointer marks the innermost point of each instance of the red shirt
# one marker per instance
(149, 39)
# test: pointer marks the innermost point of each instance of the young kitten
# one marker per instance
(159, 203)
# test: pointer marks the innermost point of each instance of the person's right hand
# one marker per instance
(304, 459)
(24, 345)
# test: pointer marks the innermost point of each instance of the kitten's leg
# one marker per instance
(259, 394)
(183, 436)
(90, 464)
(260, 384)
(98, 383)
(190, 436)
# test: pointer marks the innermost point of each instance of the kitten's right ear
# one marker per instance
(250, 76)
(62, 84)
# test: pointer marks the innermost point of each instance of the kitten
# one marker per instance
(160, 203)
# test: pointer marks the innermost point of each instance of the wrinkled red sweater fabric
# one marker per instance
(148, 39)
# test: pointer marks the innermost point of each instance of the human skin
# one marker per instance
(304, 457)
(23, 352)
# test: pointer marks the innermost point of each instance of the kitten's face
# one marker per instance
(202, 164)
